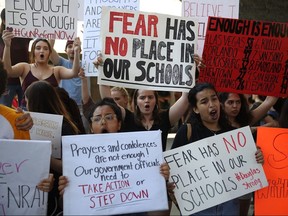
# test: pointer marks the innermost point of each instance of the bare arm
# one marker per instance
(56, 165)
(65, 73)
(84, 86)
(18, 69)
(178, 109)
(54, 57)
(262, 109)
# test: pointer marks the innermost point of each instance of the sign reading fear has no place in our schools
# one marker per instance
(55, 19)
(214, 170)
(113, 173)
(246, 56)
(144, 50)
(23, 164)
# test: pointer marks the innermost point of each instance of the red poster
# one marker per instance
(246, 56)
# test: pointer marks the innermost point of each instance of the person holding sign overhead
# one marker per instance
(39, 69)
(106, 117)
(208, 120)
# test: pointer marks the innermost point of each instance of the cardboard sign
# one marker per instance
(47, 127)
(113, 173)
(202, 9)
(245, 56)
(147, 51)
(55, 19)
(214, 170)
(92, 23)
(23, 164)
(273, 199)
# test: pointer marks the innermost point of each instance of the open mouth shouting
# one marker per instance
(214, 114)
(42, 56)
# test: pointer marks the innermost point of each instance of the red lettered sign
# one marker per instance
(245, 56)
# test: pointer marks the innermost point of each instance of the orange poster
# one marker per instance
(273, 200)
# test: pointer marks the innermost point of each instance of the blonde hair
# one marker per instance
(123, 91)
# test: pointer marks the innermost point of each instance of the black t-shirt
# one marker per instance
(198, 132)
(163, 125)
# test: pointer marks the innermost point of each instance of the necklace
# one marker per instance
(213, 132)
(148, 124)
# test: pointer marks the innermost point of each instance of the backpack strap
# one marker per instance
(189, 131)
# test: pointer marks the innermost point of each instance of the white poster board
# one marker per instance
(147, 51)
(23, 164)
(92, 23)
(214, 170)
(202, 9)
(113, 173)
(55, 19)
(47, 127)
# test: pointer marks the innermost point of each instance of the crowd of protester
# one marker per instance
(207, 111)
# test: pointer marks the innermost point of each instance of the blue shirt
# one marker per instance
(73, 85)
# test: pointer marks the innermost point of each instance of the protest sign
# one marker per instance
(113, 173)
(55, 19)
(273, 199)
(92, 23)
(47, 127)
(202, 9)
(23, 164)
(147, 51)
(214, 170)
(245, 56)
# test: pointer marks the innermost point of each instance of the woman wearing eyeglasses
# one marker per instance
(106, 117)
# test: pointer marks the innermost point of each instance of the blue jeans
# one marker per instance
(230, 207)
(8, 97)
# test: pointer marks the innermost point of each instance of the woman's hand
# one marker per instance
(63, 182)
(46, 185)
(98, 62)
(199, 61)
(259, 156)
(7, 36)
(23, 122)
(165, 171)
(77, 45)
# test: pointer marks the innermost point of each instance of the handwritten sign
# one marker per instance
(48, 127)
(92, 23)
(273, 199)
(214, 170)
(113, 173)
(23, 164)
(55, 19)
(150, 51)
(202, 9)
(245, 56)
